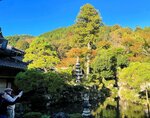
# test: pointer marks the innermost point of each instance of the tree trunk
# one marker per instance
(147, 102)
(88, 61)
(45, 70)
(88, 69)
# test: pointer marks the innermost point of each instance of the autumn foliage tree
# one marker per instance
(72, 54)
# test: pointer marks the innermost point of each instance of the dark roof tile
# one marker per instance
(11, 62)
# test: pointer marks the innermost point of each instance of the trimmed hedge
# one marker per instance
(33, 115)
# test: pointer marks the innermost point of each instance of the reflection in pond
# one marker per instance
(110, 109)
(105, 109)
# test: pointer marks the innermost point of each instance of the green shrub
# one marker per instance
(75, 115)
(45, 116)
(33, 115)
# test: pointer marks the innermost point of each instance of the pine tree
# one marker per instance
(87, 25)
(41, 55)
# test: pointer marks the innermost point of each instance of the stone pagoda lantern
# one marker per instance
(86, 107)
(79, 74)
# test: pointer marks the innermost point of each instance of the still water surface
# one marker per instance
(105, 109)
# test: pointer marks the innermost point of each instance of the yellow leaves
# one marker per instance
(104, 44)
(74, 52)
(136, 48)
(66, 62)
(93, 53)
(100, 86)
(122, 36)
(145, 34)
(137, 58)
(29, 40)
(127, 40)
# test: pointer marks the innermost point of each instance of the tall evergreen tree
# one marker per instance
(87, 25)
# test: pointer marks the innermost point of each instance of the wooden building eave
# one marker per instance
(6, 77)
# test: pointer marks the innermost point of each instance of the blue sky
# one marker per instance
(35, 17)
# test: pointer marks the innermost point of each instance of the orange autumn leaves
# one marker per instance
(72, 54)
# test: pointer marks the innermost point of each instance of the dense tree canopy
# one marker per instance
(87, 25)
(133, 80)
(34, 80)
(22, 44)
(41, 55)
(20, 41)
